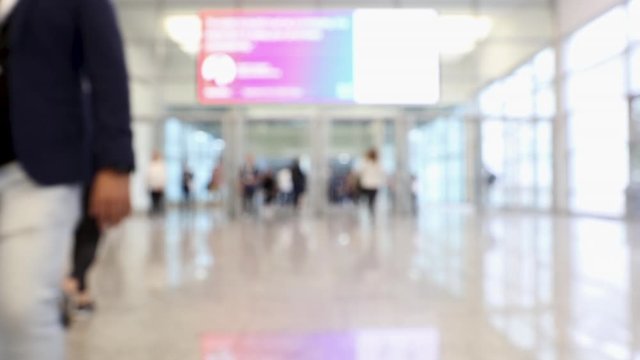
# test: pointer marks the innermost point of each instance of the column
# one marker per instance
(560, 153)
(476, 185)
(318, 179)
(403, 194)
(233, 128)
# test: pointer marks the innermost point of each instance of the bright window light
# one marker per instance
(603, 38)
(544, 65)
(492, 100)
(602, 83)
(546, 102)
(634, 20)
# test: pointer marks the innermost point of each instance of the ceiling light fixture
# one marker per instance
(186, 31)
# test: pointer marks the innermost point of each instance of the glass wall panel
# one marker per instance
(598, 172)
(519, 92)
(544, 67)
(634, 63)
(516, 141)
(492, 100)
(598, 139)
(518, 152)
(582, 90)
(545, 102)
(634, 20)
(493, 150)
(544, 163)
(438, 158)
(199, 146)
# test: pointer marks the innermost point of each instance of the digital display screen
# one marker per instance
(368, 56)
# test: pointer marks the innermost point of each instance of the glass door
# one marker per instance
(275, 144)
(197, 145)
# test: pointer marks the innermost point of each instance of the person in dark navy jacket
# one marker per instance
(64, 117)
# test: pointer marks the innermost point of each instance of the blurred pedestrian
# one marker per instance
(216, 184)
(372, 178)
(285, 186)
(157, 182)
(299, 180)
(217, 178)
(64, 113)
(269, 187)
(352, 186)
(249, 181)
(187, 183)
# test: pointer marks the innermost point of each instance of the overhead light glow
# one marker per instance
(186, 31)
(457, 34)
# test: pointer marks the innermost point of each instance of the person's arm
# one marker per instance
(105, 68)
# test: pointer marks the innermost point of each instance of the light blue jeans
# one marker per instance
(36, 225)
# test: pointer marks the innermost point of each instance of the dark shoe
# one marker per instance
(65, 314)
(89, 307)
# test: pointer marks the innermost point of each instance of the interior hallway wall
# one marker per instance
(574, 13)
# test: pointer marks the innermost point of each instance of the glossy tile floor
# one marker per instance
(451, 285)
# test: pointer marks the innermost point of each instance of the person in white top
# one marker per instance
(157, 181)
(285, 185)
(372, 178)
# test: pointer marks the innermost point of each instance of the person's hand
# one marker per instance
(110, 199)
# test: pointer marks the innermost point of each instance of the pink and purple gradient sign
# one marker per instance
(406, 344)
(362, 56)
(275, 57)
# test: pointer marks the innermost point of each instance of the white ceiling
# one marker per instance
(162, 75)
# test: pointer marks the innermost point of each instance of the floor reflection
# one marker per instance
(497, 286)
(416, 344)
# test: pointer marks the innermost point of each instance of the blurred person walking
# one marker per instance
(64, 110)
(352, 186)
(157, 182)
(217, 178)
(249, 182)
(372, 178)
(285, 185)
(216, 184)
(269, 187)
(299, 180)
(187, 184)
